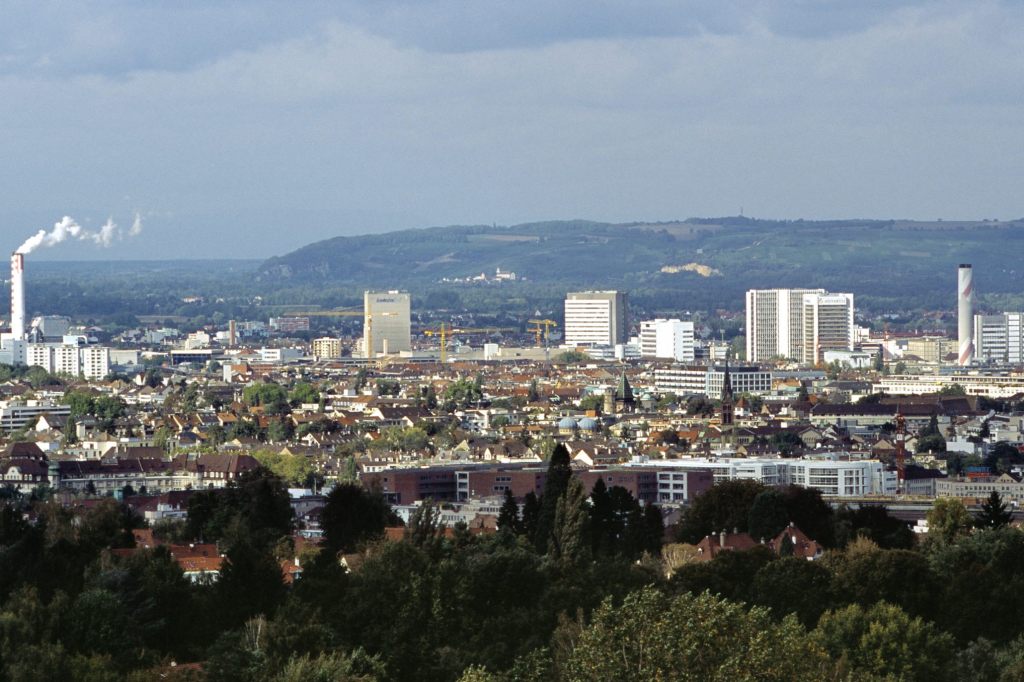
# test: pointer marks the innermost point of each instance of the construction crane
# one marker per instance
(543, 328)
(324, 313)
(444, 331)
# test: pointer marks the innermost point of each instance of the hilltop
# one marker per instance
(699, 263)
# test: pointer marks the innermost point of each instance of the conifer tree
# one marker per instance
(557, 482)
(508, 516)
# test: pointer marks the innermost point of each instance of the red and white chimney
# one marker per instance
(18, 295)
(965, 314)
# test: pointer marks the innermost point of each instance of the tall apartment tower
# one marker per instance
(798, 324)
(828, 325)
(596, 318)
(667, 339)
(387, 322)
(775, 323)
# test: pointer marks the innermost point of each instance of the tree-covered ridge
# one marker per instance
(876, 259)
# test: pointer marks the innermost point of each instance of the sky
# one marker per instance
(249, 129)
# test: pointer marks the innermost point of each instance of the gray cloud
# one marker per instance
(251, 128)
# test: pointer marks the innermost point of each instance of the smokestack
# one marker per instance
(232, 333)
(18, 295)
(965, 314)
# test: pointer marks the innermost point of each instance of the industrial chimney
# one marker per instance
(18, 296)
(965, 314)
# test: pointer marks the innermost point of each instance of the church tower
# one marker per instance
(728, 428)
(624, 399)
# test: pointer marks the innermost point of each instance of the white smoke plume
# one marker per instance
(67, 228)
(106, 233)
(61, 231)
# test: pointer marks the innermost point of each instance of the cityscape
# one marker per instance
(386, 437)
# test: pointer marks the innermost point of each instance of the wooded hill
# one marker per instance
(697, 263)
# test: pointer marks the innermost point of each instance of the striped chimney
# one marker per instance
(965, 314)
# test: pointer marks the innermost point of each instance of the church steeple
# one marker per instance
(624, 394)
(727, 383)
(728, 429)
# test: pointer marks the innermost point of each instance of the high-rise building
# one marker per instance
(596, 318)
(775, 323)
(778, 325)
(326, 348)
(999, 338)
(828, 325)
(668, 339)
(387, 323)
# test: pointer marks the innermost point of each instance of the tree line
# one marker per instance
(572, 586)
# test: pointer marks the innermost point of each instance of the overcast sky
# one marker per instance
(252, 128)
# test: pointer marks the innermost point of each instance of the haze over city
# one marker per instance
(246, 129)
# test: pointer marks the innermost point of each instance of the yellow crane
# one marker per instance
(543, 328)
(444, 331)
(324, 313)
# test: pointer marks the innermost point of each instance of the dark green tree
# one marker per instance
(726, 506)
(250, 584)
(508, 515)
(353, 516)
(530, 515)
(794, 585)
(768, 515)
(557, 482)
(994, 513)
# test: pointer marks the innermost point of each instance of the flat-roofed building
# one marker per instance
(775, 323)
(999, 338)
(667, 339)
(827, 325)
(326, 348)
(596, 318)
(387, 323)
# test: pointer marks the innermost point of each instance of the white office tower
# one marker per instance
(999, 338)
(667, 339)
(595, 318)
(828, 325)
(775, 323)
(387, 323)
(965, 314)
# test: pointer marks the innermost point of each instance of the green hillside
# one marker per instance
(885, 263)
